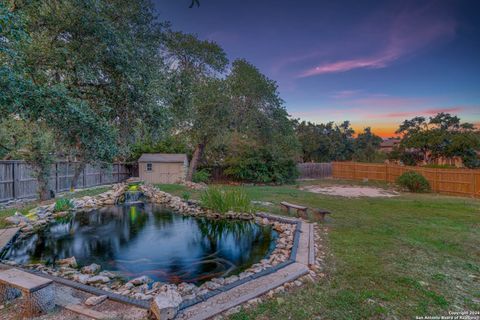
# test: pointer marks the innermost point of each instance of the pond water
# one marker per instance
(145, 239)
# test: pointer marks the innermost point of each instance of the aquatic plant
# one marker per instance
(222, 201)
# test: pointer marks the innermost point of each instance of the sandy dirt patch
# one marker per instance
(351, 191)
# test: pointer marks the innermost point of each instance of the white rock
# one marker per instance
(91, 269)
(93, 301)
(98, 279)
(165, 305)
(140, 280)
(68, 262)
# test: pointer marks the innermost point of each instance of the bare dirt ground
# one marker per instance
(352, 191)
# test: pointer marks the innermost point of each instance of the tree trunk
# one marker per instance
(197, 155)
(43, 189)
(78, 170)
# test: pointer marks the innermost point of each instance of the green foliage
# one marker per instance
(413, 182)
(186, 196)
(220, 200)
(367, 146)
(201, 176)
(132, 187)
(63, 204)
(260, 165)
(327, 142)
(441, 136)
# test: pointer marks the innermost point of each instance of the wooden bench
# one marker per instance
(320, 214)
(289, 206)
(37, 293)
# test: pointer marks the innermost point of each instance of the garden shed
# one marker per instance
(162, 167)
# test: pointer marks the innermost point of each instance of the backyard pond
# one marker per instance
(145, 239)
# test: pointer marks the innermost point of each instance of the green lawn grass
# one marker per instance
(393, 258)
(388, 258)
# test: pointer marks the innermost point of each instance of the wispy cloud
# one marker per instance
(425, 112)
(409, 32)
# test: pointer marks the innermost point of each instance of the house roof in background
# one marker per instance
(389, 143)
(163, 157)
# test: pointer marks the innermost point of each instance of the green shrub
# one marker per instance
(414, 182)
(63, 204)
(222, 201)
(201, 176)
(262, 166)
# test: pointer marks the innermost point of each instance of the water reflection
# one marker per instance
(150, 240)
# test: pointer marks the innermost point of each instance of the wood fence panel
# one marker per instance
(313, 170)
(6, 182)
(460, 182)
(17, 180)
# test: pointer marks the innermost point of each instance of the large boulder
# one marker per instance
(165, 305)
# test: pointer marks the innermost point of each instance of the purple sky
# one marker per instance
(374, 63)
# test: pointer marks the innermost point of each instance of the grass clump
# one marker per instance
(220, 200)
(413, 182)
(186, 196)
(63, 204)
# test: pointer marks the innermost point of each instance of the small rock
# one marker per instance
(298, 283)
(91, 269)
(140, 280)
(93, 301)
(98, 279)
(82, 278)
(280, 300)
(68, 262)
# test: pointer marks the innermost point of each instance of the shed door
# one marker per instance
(169, 172)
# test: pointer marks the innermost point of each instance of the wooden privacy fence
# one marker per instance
(16, 181)
(460, 182)
(314, 170)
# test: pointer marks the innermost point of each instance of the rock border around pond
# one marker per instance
(143, 288)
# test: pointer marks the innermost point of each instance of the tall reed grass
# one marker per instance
(220, 200)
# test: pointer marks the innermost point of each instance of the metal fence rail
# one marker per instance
(17, 181)
(312, 170)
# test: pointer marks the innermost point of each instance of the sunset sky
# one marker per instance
(375, 63)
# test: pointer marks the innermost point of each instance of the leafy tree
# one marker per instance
(441, 136)
(198, 104)
(326, 142)
(260, 122)
(91, 69)
(367, 146)
(32, 141)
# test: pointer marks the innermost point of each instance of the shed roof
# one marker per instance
(163, 157)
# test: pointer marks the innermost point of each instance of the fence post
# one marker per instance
(56, 177)
(85, 176)
(13, 182)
